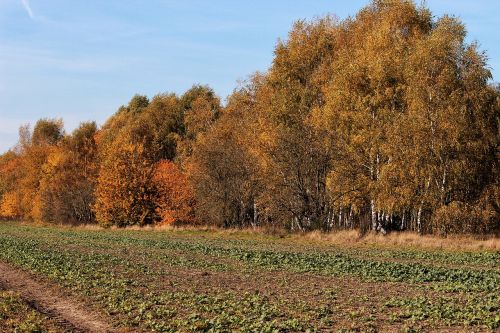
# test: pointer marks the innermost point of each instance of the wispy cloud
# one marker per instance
(27, 6)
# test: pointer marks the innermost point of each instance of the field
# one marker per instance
(213, 281)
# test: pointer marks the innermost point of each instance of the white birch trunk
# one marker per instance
(374, 215)
(419, 221)
(349, 222)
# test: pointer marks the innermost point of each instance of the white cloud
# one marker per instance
(27, 6)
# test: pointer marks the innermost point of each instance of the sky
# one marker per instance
(81, 59)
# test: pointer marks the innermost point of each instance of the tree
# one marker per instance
(410, 116)
(9, 178)
(295, 160)
(125, 193)
(69, 178)
(222, 169)
(200, 108)
(364, 96)
(35, 148)
(130, 145)
(387, 120)
(175, 200)
(451, 113)
(164, 114)
(47, 132)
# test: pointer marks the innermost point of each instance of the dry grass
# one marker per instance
(407, 239)
(341, 237)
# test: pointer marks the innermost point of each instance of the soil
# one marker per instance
(68, 314)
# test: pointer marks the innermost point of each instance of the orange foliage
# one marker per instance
(10, 167)
(175, 200)
(33, 160)
(125, 194)
(8, 205)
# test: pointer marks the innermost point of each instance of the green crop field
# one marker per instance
(16, 316)
(169, 281)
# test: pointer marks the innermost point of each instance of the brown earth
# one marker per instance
(48, 300)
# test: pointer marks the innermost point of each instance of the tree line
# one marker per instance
(387, 120)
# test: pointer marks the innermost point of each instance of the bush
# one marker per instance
(459, 217)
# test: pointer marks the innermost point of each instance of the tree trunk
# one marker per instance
(374, 215)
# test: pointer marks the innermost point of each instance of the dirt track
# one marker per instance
(50, 301)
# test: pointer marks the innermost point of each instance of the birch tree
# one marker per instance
(222, 169)
(295, 159)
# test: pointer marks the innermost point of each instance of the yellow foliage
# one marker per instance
(9, 206)
(125, 193)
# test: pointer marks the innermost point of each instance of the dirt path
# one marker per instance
(51, 302)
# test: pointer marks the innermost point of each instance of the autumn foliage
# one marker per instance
(387, 120)
(175, 202)
(125, 192)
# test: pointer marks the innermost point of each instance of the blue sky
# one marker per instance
(81, 59)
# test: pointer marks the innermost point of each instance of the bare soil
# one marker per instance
(46, 299)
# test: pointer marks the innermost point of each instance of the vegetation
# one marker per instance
(384, 121)
(387, 120)
(194, 280)
(17, 316)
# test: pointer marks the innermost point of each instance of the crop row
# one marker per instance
(320, 262)
(113, 271)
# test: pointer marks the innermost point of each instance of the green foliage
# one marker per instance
(137, 278)
(17, 316)
(448, 310)
(47, 131)
(137, 104)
